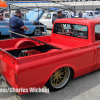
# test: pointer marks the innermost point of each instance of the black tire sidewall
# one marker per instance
(38, 34)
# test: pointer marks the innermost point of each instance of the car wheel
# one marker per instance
(38, 32)
(59, 79)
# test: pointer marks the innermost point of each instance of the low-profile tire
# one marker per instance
(59, 79)
(38, 32)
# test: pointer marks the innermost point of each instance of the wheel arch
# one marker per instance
(23, 42)
(61, 66)
(42, 28)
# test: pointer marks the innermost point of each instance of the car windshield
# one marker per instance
(74, 30)
(23, 16)
(6, 15)
(48, 16)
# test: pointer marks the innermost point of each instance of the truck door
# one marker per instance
(97, 43)
(48, 20)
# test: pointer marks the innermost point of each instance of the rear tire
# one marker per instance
(38, 32)
(59, 79)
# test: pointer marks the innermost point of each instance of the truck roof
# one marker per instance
(80, 21)
(91, 11)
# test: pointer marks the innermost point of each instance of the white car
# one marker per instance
(92, 14)
(48, 19)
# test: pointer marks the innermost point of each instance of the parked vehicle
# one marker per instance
(72, 50)
(92, 14)
(35, 27)
(48, 19)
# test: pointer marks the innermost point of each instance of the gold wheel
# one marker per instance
(60, 77)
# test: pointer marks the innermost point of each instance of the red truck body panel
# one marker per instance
(35, 70)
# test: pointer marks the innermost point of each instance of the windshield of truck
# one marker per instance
(73, 30)
(48, 16)
(6, 15)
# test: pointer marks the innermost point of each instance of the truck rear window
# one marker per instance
(74, 30)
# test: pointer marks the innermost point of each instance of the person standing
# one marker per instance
(58, 16)
(17, 25)
(69, 14)
(72, 14)
(80, 15)
(84, 15)
(1, 17)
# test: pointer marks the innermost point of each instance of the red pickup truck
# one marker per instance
(72, 50)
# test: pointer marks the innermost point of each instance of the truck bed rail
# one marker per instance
(34, 39)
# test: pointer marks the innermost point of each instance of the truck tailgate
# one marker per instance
(7, 63)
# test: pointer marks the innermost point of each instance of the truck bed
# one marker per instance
(56, 43)
(25, 50)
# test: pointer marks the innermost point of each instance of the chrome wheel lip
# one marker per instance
(64, 81)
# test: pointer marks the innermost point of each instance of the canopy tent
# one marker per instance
(3, 4)
(52, 9)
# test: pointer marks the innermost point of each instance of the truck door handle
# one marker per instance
(98, 47)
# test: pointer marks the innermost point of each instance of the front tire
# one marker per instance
(38, 32)
(59, 79)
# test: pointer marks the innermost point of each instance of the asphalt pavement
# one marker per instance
(86, 87)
